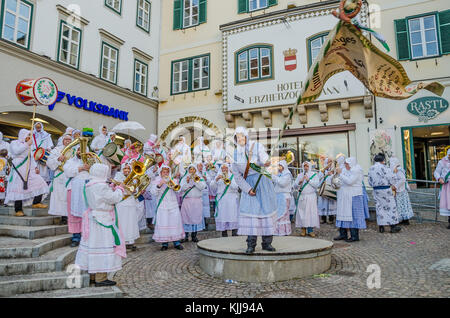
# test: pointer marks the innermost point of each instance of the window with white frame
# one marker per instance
(116, 5)
(191, 74)
(143, 15)
(257, 4)
(180, 76)
(315, 43)
(17, 22)
(140, 77)
(109, 63)
(423, 37)
(69, 44)
(190, 13)
(254, 63)
(200, 74)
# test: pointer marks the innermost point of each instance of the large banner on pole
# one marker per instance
(347, 49)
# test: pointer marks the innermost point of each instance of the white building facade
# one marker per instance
(103, 56)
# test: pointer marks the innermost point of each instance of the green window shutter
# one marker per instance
(202, 11)
(273, 3)
(242, 6)
(444, 31)
(177, 14)
(401, 31)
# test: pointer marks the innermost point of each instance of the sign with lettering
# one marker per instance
(427, 108)
(190, 119)
(82, 103)
(286, 66)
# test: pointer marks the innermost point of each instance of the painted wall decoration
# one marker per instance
(427, 108)
(290, 59)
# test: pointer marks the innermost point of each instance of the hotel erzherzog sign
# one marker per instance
(427, 108)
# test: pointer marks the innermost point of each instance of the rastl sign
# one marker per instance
(427, 108)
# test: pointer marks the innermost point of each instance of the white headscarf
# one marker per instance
(240, 130)
(3, 144)
(162, 167)
(98, 173)
(354, 166)
(152, 139)
(284, 164)
(23, 133)
(100, 129)
(393, 163)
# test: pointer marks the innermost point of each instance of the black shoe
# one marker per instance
(269, 248)
(164, 248)
(331, 219)
(74, 244)
(354, 236)
(323, 219)
(105, 283)
(343, 235)
(381, 229)
(179, 247)
(448, 227)
(405, 222)
(395, 229)
(194, 237)
(234, 233)
(133, 248)
(186, 238)
(250, 250)
(224, 234)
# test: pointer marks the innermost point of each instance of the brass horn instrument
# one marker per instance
(195, 177)
(88, 158)
(137, 181)
(172, 185)
(226, 180)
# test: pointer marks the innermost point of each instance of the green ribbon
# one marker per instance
(189, 190)
(17, 168)
(51, 187)
(111, 227)
(259, 169)
(445, 179)
(159, 203)
(68, 181)
(301, 189)
(224, 192)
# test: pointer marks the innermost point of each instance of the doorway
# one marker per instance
(423, 147)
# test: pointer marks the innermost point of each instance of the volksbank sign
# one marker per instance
(427, 108)
(82, 103)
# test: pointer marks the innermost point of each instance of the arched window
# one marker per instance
(254, 63)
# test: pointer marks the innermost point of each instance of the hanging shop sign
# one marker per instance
(427, 108)
(82, 103)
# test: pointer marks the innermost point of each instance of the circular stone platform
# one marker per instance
(295, 257)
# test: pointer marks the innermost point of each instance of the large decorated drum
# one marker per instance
(41, 91)
(113, 153)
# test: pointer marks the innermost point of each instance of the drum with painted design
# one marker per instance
(113, 153)
(41, 155)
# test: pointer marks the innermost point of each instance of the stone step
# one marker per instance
(32, 232)
(53, 261)
(26, 211)
(23, 284)
(87, 292)
(12, 247)
(30, 220)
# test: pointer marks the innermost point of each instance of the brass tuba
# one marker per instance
(137, 181)
(88, 158)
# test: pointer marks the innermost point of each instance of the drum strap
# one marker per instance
(224, 192)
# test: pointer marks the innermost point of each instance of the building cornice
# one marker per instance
(111, 37)
(65, 70)
(142, 54)
(72, 14)
(283, 14)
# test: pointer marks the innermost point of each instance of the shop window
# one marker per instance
(423, 36)
(143, 15)
(115, 5)
(69, 45)
(254, 63)
(314, 45)
(246, 6)
(108, 68)
(192, 74)
(140, 77)
(188, 13)
(16, 26)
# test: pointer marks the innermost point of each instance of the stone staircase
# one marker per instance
(34, 256)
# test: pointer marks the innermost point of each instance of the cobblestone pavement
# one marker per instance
(414, 263)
